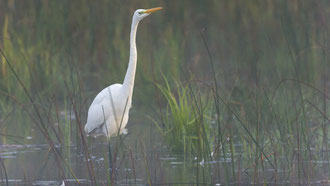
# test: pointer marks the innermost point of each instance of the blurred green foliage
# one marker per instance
(248, 39)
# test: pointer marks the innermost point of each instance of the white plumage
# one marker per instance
(108, 113)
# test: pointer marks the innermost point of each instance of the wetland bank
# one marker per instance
(226, 92)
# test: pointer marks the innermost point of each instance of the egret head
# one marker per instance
(139, 14)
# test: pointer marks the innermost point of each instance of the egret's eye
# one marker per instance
(140, 13)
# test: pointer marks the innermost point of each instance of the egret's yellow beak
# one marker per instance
(152, 10)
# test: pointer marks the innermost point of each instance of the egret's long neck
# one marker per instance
(130, 74)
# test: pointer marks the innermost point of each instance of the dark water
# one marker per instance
(35, 164)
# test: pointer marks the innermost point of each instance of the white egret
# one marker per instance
(108, 113)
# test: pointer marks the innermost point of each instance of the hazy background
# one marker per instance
(249, 40)
(271, 60)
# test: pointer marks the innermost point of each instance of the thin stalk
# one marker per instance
(132, 161)
(146, 163)
(303, 124)
(216, 102)
(87, 154)
(232, 156)
(110, 162)
(298, 141)
(109, 148)
(111, 166)
(4, 169)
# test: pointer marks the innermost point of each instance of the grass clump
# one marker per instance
(182, 122)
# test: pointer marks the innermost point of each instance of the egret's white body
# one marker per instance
(108, 113)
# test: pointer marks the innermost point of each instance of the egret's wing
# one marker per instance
(96, 113)
(102, 108)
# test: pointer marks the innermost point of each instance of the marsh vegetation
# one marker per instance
(226, 92)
